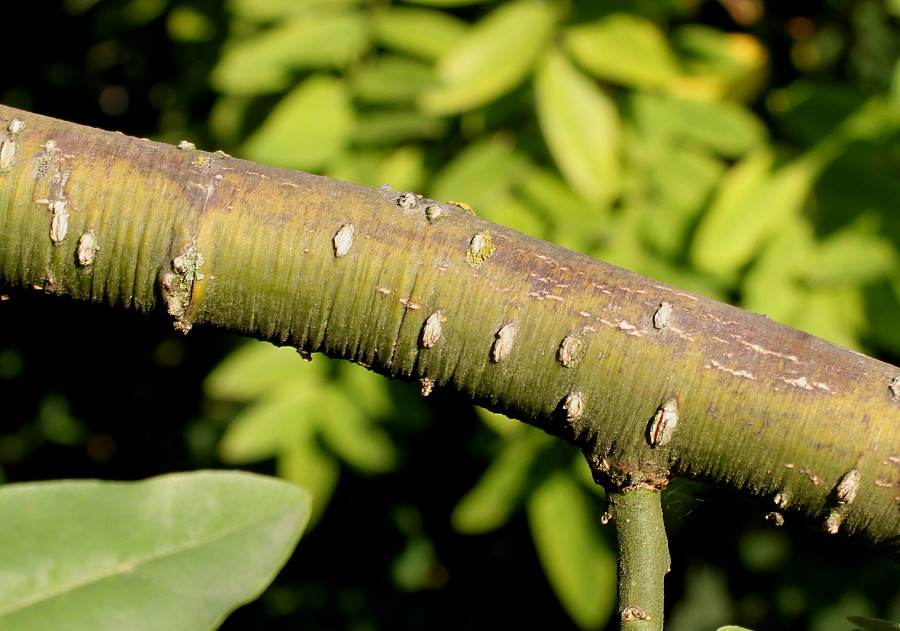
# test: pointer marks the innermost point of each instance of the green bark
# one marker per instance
(643, 557)
(649, 380)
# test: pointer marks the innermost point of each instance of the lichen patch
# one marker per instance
(481, 248)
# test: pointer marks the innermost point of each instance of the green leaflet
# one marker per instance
(489, 504)
(305, 464)
(403, 168)
(307, 128)
(285, 418)
(351, 434)
(873, 624)
(579, 563)
(447, 3)
(271, 10)
(717, 64)
(752, 201)
(265, 62)
(623, 48)
(493, 57)
(172, 553)
(480, 175)
(422, 33)
(254, 368)
(392, 127)
(390, 80)
(682, 183)
(856, 254)
(667, 124)
(581, 127)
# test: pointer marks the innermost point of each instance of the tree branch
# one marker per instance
(643, 376)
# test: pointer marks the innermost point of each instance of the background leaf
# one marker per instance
(492, 58)
(307, 128)
(581, 127)
(580, 566)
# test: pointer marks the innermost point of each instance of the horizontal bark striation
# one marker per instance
(649, 380)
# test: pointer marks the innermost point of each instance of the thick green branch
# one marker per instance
(641, 375)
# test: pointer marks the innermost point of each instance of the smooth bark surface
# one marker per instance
(649, 380)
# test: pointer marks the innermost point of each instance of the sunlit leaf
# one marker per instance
(623, 48)
(752, 201)
(264, 63)
(422, 33)
(771, 284)
(682, 184)
(836, 314)
(307, 128)
(578, 562)
(254, 368)
(854, 254)
(403, 168)
(447, 3)
(670, 123)
(392, 127)
(177, 552)
(581, 127)
(718, 64)
(269, 10)
(494, 56)
(391, 79)
(480, 175)
(573, 222)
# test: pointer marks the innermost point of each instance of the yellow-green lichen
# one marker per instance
(480, 249)
(462, 205)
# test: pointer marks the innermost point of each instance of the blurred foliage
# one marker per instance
(745, 150)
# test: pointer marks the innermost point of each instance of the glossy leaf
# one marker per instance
(579, 563)
(177, 552)
(494, 56)
(264, 63)
(623, 48)
(581, 127)
(307, 128)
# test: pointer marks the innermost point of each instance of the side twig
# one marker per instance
(643, 557)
